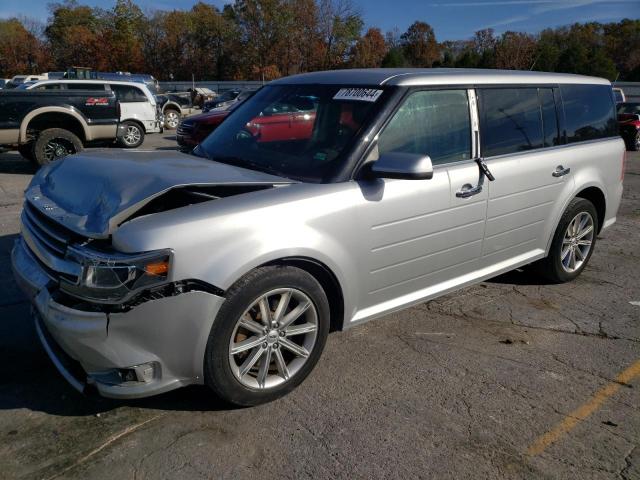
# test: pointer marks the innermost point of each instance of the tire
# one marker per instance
(53, 144)
(26, 150)
(223, 369)
(634, 142)
(133, 135)
(171, 119)
(557, 266)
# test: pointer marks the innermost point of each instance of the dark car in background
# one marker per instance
(629, 123)
(227, 99)
(174, 105)
(45, 125)
(193, 130)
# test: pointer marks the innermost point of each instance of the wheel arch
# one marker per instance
(60, 117)
(136, 121)
(596, 196)
(327, 279)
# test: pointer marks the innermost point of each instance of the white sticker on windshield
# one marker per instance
(361, 94)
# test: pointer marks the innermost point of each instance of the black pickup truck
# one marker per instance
(46, 125)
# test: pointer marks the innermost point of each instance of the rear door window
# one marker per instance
(589, 112)
(127, 93)
(435, 123)
(510, 120)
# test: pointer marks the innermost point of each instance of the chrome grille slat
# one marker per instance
(40, 237)
(47, 241)
(42, 226)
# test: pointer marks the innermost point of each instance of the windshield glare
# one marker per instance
(295, 131)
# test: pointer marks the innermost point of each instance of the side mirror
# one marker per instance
(407, 166)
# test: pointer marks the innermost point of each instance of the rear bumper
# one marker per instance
(154, 347)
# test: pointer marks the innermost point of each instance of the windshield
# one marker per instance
(629, 108)
(295, 131)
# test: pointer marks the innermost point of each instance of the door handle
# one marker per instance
(560, 171)
(468, 191)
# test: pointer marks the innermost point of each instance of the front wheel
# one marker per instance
(132, 136)
(171, 119)
(55, 143)
(573, 242)
(267, 336)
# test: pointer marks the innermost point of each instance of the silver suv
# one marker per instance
(326, 200)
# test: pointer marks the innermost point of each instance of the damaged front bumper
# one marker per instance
(151, 347)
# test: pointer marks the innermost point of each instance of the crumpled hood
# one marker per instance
(93, 192)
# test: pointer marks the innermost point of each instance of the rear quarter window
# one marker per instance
(589, 112)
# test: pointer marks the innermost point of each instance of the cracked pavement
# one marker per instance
(458, 387)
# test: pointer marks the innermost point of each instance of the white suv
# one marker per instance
(139, 113)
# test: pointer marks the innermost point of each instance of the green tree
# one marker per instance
(394, 58)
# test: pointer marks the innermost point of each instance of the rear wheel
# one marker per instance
(267, 336)
(55, 143)
(133, 135)
(573, 242)
(171, 119)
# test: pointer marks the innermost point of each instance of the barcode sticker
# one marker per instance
(360, 94)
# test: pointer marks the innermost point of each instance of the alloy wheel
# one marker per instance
(577, 242)
(172, 119)
(132, 135)
(58, 148)
(273, 338)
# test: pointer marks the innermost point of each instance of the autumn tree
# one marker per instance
(20, 50)
(370, 50)
(420, 46)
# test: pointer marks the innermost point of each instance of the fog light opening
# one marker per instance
(138, 373)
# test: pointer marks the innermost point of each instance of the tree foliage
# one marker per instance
(266, 39)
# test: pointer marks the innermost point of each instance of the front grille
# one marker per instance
(184, 129)
(48, 241)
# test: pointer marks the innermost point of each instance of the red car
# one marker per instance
(629, 123)
(277, 123)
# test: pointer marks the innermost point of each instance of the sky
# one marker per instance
(451, 20)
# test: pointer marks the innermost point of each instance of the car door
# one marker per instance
(517, 127)
(425, 236)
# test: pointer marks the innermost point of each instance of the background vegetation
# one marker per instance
(266, 39)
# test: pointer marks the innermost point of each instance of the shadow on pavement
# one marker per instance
(13, 162)
(520, 277)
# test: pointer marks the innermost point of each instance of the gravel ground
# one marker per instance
(511, 378)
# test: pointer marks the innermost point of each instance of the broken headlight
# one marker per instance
(110, 278)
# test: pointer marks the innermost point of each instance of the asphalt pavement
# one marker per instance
(512, 378)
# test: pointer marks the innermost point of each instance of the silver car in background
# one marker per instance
(326, 200)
